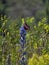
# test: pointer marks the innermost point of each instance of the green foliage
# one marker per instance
(37, 40)
(39, 60)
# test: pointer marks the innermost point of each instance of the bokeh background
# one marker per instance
(24, 8)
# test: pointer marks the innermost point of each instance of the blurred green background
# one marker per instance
(25, 8)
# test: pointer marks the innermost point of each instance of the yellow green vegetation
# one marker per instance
(37, 40)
